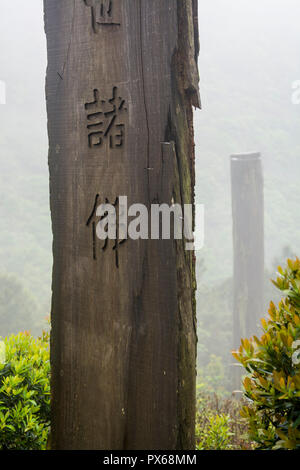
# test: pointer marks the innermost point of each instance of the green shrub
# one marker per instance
(24, 392)
(273, 381)
(216, 436)
(219, 425)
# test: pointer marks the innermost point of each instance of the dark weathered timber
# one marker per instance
(248, 242)
(123, 339)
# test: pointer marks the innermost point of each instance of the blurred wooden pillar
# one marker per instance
(248, 245)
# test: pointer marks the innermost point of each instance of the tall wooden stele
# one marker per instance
(248, 243)
(121, 82)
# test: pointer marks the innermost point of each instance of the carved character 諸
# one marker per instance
(104, 120)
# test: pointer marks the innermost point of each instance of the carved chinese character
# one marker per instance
(110, 216)
(102, 13)
(104, 120)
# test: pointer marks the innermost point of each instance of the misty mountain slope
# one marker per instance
(25, 235)
(248, 62)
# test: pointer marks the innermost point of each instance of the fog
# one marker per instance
(248, 63)
(25, 235)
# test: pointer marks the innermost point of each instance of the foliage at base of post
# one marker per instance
(219, 425)
(272, 385)
(24, 392)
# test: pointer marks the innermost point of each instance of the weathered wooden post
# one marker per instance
(248, 243)
(121, 82)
